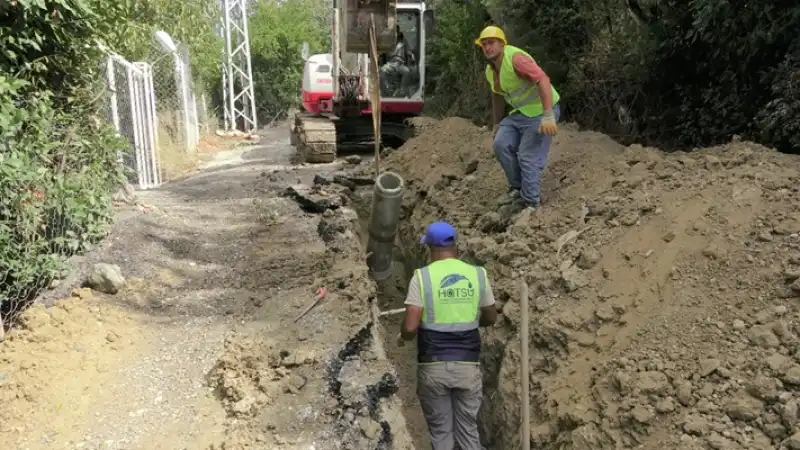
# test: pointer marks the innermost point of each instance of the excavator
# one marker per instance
(373, 80)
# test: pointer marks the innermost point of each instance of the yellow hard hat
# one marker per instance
(491, 32)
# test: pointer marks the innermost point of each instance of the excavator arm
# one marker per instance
(360, 27)
(358, 16)
(368, 27)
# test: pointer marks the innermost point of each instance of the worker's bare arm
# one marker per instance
(488, 316)
(546, 94)
(413, 315)
(488, 307)
(527, 68)
(498, 108)
(411, 322)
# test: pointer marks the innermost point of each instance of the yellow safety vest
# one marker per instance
(520, 93)
(451, 291)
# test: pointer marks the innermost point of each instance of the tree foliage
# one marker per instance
(277, 30)
(455, 67)
(190, 22)
(58, 160)
(52, 45)
(664, 72)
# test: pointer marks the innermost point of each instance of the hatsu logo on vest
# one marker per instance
(452, 287)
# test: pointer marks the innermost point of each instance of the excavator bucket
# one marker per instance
(356, 17)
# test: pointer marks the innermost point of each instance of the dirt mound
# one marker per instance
(48, 363)
(663, 287)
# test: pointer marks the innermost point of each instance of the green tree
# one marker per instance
(277, 31)
(58, 161)
(190, 22)
(455, 77)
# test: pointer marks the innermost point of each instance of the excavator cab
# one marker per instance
(399, 67)
(370, 83)
(402, 68)
(400, 31)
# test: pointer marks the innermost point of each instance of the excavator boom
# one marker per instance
(357, 15)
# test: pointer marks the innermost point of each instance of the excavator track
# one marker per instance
(314, 137)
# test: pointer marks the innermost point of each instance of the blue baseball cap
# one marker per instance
(439, 234)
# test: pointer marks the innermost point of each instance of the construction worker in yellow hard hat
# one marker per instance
(522, 138)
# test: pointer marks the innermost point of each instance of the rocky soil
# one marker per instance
(664, 288)
(664, 293)
(319, 380)
(198, 331)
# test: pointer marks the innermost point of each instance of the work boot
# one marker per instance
(531, 207)
(511, 196)
(511, 209)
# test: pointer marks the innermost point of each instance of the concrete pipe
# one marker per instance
(387, 198)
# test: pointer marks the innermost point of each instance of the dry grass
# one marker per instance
(174, 159)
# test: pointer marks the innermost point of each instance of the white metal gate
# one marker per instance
(132, 107)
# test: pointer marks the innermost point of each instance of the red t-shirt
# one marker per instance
(525, 67)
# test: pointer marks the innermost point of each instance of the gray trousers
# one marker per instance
(451, 394)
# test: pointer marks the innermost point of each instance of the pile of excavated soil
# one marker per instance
(664, 288)
(56, 355)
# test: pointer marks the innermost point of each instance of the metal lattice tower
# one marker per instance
(237, 73)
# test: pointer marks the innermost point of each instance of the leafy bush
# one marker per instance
(667, 73)
(710, 67)
(58, 161)
(779, 120)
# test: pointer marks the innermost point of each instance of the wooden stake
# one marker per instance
(375, 92)
(525, 432)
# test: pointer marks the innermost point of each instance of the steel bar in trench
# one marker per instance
(391, 312)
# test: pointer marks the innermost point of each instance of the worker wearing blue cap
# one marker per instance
(447, 301)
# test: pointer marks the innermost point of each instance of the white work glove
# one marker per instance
(548, 125)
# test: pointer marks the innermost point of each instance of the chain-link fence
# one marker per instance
(155, 104)
(56, 169)
(182, 113)
(132, 110)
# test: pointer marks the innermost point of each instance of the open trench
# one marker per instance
(618, 359)
(391, 295)
(409, 255)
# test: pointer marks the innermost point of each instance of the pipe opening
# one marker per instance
(384, 219)
(390, 183)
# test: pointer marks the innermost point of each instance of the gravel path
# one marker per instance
(186, 252)
(190, 285)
